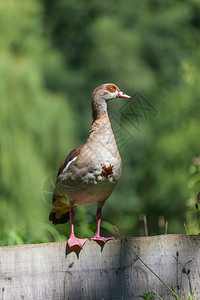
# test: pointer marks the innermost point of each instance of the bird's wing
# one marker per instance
(60, 212)
(72, 156)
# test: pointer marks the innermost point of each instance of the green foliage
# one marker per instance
(190, 297)
(53, 54)
(193, 203)
(150, 295)
(34, 122)
(153, 49)
(147, 295)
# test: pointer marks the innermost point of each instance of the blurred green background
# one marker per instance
(52, 55)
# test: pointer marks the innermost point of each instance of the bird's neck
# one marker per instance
(101, 132)
(99, 108)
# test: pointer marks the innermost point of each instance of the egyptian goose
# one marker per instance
(90, 172)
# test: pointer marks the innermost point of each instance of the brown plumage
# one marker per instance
(90, 172)
(69, 157)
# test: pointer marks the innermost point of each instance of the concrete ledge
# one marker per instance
(43, 271)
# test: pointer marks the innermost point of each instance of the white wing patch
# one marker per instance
(68, 164)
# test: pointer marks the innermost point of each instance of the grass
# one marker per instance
(152, 295)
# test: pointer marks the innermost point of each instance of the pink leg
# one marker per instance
(73, 242)
(97, 237)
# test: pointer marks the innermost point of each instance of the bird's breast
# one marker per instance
(100, 165)
(96, 171)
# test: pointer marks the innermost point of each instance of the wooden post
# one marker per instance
(43, 271)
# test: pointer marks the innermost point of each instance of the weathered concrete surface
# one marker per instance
(43, 271)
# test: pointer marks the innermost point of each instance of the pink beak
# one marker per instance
(122, 95)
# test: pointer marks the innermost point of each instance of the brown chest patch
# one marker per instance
(107, 171)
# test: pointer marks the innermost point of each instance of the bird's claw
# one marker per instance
(102, 240)
(75, 244)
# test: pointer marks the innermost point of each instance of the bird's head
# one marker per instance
(101, 95)
(108, 92)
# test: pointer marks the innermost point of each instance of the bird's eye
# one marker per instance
(111, 88)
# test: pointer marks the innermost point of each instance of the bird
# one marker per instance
(91, 171)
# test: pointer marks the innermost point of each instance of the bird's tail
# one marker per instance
(59, 216)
